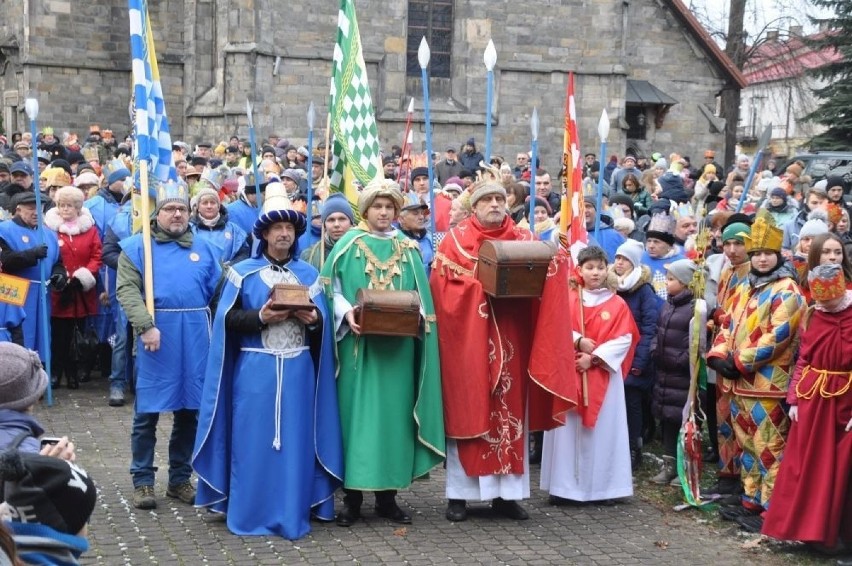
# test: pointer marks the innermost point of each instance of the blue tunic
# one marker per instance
(228, 240)
(184, 282)
(103, 209)
(21, 238)
(311, 236)
(284, 459)
(242, 214)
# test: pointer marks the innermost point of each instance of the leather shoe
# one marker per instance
(557, 501)
(457, 510)
(736, 513)
(751, 523)
(392, 512)
(348, 515)
(509, 509)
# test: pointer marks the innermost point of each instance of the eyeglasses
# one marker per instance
(173, 210)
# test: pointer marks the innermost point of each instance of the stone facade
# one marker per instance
(214, 54)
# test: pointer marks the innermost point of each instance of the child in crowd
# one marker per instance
(634, 286)
(671, 387)
(588, 459)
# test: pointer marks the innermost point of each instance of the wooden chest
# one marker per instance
(285, 296)
(514, 269)
(388, 313)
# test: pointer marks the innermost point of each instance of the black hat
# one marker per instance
(198, 161)
(205, 144)
(75, 157)
(465, 173)
(48, 491)
(387, 160)
(62, 164)
(23, 197)
(738, 217)
(232, 149)
(622, 199)
(419, 172)
(4, 166)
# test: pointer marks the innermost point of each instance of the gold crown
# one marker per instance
(827, 282)
(765, 235)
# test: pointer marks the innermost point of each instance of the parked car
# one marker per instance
(822, 164)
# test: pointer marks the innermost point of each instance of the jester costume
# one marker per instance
(389, 389)
(760, 342)
(516, 375)
(733, 287)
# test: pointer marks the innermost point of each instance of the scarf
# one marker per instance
(627, 282)
(842, 306)
(212, 222)
(541, 227)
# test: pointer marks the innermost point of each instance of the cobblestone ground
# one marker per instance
(637, 532)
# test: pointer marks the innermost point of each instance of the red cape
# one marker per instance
(602, 323)
(537, 366)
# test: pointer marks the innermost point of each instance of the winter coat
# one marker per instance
(671, 389)
(471, 160)
(80, 249)
(13, 423)
(645, 307)
(672, 188)
(641, 202)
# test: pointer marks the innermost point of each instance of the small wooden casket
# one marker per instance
(285, 296)
(388, 313)
(511, 269)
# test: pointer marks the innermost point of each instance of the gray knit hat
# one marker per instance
(682, 270)
(22, 378)
(485, 189)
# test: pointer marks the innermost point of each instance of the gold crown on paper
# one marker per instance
(765, 235)
(827, 282)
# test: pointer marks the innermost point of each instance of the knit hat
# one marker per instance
(484, 189)
(624, 200)
(453, 188)
(337, 202)
(294, 175)
(662, 163)
(419, 172)
(826, 282)
(736, 231)
(22, 378)
(86, 178)
(778, 192)
(682, 270)
(662, 228)
(632, 251)
(795, 169)
(48, 491)
(817, 224)
(204, 192)
(169, 192)
(540, 202)
(380, 188)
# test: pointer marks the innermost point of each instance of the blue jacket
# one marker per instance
(645, 307)
(13, 423)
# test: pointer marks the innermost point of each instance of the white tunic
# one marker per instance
(510, 487)
(593, 464)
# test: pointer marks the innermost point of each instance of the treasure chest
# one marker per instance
(285, 296)
(511, 269)
(388, 313)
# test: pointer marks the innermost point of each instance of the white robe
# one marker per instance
(593, 464)
(511, 487)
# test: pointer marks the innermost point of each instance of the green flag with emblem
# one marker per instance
(355, 149)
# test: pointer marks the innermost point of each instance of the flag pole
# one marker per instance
(405, 153)
(31, 107)
(310, 192)
(490, 60)
(423, 55)
(148, 263)
(258, 196)
(534, 157)
(603, 132)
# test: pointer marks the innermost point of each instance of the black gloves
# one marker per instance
(725, 368)
(58, 281)
(38, 252)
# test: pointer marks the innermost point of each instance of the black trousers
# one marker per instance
(633, 399)
(63, 358)
(355, 498)
(670, 433)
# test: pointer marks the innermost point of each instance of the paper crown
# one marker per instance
(48, 131)
(827, 282)
(90, 153)
(765, 235)
(663, 223)
(55, 177)
(171, 191)
(276, 198)
(216, 176)
(247, 181)
(112, 166)
(683, 211)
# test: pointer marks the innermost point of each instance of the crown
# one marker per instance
(171, 191)
(765, 235)
(827, 282)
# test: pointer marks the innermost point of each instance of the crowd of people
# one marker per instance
(313, 395)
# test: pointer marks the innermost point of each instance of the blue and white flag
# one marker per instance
(151, 127)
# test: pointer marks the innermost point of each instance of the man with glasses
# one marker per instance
(171, 346)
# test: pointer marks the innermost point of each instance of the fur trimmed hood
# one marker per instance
(644, 277)
(82, 224)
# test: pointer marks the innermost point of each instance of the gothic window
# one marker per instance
(432, 19)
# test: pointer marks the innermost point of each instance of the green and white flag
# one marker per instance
(355, 148)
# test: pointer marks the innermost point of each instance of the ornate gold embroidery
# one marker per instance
(506, 428)
(381, 273)
(451, 265)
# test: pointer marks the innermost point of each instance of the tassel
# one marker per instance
(357, 252)
(396, 270)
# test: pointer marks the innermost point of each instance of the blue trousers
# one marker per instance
(118, 376)
(143, 440)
